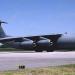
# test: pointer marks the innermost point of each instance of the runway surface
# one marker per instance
(11, 61)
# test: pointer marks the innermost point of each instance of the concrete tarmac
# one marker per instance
(11, 61)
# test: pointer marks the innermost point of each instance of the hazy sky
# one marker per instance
(36, 17)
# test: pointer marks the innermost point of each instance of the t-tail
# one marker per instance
(2, 33)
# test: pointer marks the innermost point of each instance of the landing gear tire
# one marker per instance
(49, 50)
(38, 50)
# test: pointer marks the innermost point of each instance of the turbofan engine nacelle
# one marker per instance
(44, 43)
(23, 45)
(27, 44)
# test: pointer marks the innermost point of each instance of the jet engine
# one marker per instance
(27, 44)
(44, 43)
(24, 44)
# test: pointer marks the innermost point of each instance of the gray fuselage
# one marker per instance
(66, 42)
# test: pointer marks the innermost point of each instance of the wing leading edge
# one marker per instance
(33, 38)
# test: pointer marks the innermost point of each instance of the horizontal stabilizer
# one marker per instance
(2, 22)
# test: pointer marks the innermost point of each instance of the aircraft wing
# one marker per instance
(33, 38)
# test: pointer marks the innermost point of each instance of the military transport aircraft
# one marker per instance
(38, 43)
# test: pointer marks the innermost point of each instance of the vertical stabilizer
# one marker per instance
(2, 33)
